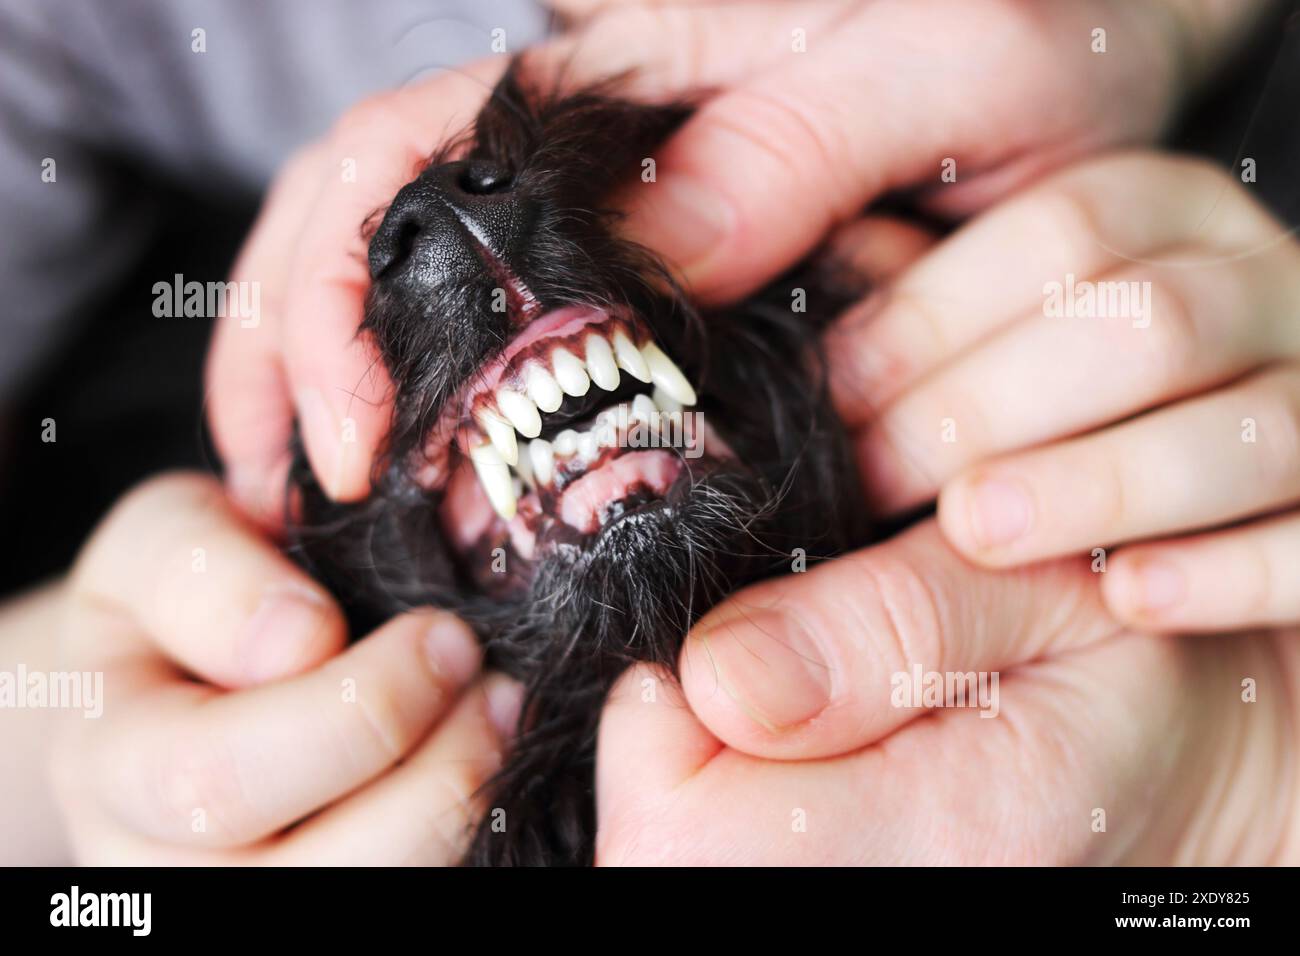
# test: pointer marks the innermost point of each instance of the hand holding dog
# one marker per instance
(1012, 90)
(236, 729)
(797, 742)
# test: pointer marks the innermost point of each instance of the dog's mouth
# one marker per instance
(580, 423)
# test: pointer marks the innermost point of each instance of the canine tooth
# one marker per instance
(520, 411)
(569, 372)
(566, 442)
(542, 388)
(494, 476)
(500, 433)
(629, 356)
(666, 375)
(600, 363)
(542, 458)
(665, 402)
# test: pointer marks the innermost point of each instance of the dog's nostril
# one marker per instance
(480, 178)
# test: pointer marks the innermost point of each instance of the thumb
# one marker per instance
(804, 666)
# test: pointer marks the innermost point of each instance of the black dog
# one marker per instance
(673, 457)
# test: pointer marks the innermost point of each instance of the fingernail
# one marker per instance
(452, 651)
(283, 631)
(325, 430)
(770, 665)
(505, 697)
(1000, 512)
(1160, 585)
(682, 218)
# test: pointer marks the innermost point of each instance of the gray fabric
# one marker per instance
(89, 83)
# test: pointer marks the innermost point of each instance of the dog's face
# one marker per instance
(578, 463)
(599, 461)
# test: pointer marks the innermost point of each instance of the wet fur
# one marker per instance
(587, 616)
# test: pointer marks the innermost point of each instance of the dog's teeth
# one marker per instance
(520, 411)
(569, 373)
(525, 468)
(629, 357)
(588, 446)
(643, 409)
(500, 433)
(542, 388)
(666, 375)
(566, 442)
(665, 402)
(494, 476)
(600, 363)
(541, 456)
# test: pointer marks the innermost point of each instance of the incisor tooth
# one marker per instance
(643, 409)
(525, 468)
(520, 411)
(600, 363)
(494, 476)
(588, 446)
(666, 375)
(566, 442)
(569, 372)
(629, 357)
(501, 433)
(542, 388)
(542, 458)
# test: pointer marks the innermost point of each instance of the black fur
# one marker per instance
(568, 625)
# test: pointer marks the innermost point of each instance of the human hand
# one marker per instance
(1008, 90)
(1054, 434)
(287, 749)
(1102, 745)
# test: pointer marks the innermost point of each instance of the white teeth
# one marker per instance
(494, 476)
(566, 442)
(541, 456)
(666, 375)
(600, 363)
(569, 372)
(666, 402)
(501, 433)
(629, 357)
(588, 446)
(643, 409)
(542, 388)
(520, 411)
(525, 469)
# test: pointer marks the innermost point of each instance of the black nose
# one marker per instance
(439, 225)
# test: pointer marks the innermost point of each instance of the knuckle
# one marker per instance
(1275, 405)
(910, 611)
(1168, 348)
(198, 777)
(1060, 216)
(390, 733)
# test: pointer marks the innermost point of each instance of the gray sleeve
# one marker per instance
(98, 96)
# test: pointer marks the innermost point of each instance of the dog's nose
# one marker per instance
(439, 225)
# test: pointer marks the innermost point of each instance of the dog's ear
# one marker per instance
(583, 141)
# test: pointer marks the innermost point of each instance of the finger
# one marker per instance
(1242, 577)
(1183, 330)
(1209, 460)
(661, 50)
(423, 812)
(877, 248)
(1067, 736)
(809, 665)
(1115, 212)
(185, 765)
(341, 390)
(187, 576)
(249, 406)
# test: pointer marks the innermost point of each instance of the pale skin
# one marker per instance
(708, 756)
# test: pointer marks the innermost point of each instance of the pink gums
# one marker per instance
(584, 502)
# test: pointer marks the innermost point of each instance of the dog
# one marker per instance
(579, 463)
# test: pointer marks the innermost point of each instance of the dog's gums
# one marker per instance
(579, 464)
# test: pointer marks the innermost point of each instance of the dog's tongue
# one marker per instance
(583, 503)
